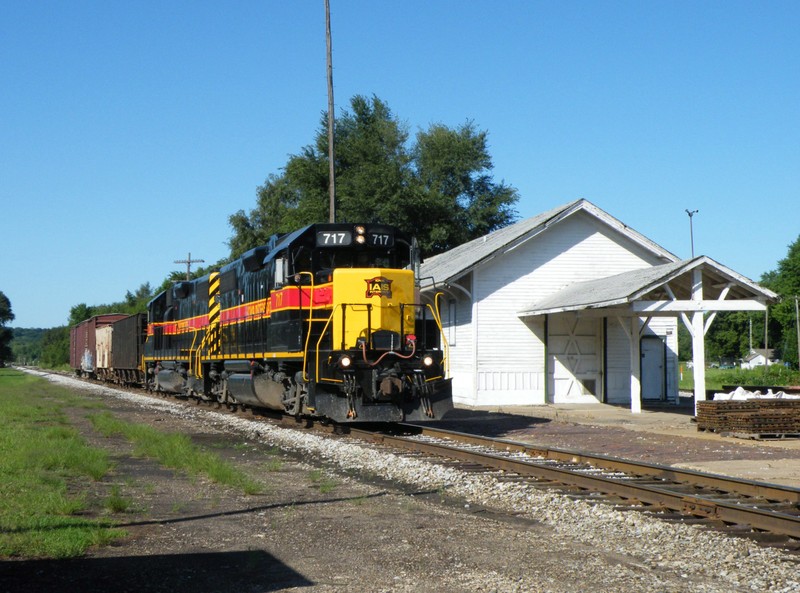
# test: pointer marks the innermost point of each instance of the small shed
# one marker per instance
(574, 306)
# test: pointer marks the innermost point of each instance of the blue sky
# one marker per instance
(130, 131)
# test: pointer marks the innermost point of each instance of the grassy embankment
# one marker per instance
(773, 376)
(47, 470)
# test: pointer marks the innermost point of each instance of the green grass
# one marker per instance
(116, 503)
(175, 451)
(44, 464)
(323, 482)
(775, 375)
(48, 473)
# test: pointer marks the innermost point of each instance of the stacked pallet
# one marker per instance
(751, 417)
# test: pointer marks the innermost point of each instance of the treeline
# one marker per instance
(731, 334)
(50, 347)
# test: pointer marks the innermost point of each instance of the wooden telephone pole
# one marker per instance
(331, 183)
(189, 261)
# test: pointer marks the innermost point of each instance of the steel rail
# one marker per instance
(737, 512)
(753, 488)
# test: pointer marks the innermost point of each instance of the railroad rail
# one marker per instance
(769, 513)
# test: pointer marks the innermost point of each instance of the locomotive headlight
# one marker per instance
(427, 360)
(361, 234)
(345, 361)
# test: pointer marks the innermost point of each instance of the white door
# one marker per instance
(653, 377)
(573, 359)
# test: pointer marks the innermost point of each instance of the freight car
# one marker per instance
(325, 322)
(83, 357)
(127, 340)
(109, 347)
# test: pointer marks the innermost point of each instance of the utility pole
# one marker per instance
(691, 229)
(331, 182)
(189, 261)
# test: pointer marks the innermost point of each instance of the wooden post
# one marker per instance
(698, 340)
(636, 367)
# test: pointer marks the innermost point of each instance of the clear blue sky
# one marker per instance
(130, 131)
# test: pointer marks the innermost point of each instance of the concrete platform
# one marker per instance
(661, 433)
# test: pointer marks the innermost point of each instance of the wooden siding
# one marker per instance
(462, 367)
(509, 357)
(496, 358)
(618, 363)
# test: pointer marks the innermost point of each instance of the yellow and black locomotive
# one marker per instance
(324, 321)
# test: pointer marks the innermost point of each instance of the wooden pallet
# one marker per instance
(750, 417)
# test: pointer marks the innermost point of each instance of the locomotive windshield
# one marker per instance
(359, 246)
(332, 246)
(344, 257)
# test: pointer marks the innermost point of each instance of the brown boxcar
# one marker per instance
(83, 342)
(128, 344)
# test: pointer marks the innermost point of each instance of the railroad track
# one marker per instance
(768, 513)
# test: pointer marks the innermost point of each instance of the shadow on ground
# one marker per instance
(492, 424)
(199, 573)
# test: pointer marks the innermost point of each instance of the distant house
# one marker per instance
(574, 306)
(759, 357)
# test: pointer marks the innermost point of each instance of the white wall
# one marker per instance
(458, 309)
(507, 357)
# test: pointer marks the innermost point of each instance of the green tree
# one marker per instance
(783, 319)
(275, 201)
(27, 345)
(439, 189)
(80, 313)
(729, 335)
(6, 316)
(55, 347)
(462, 202)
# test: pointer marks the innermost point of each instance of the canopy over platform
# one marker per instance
(688, 288)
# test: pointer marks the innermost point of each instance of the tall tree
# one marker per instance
(55, 347)
(439, 189)
(786, 282)
(453, 167)
(80, 312)
(6, 335)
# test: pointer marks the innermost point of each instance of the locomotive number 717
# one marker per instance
(335, 238)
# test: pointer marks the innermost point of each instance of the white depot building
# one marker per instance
(573, 306)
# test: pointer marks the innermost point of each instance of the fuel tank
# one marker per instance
(260, 390)
(170, 381)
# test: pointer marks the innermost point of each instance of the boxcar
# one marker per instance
(128, 347)
(83, 343)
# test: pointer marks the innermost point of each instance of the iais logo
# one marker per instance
(379, 286)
